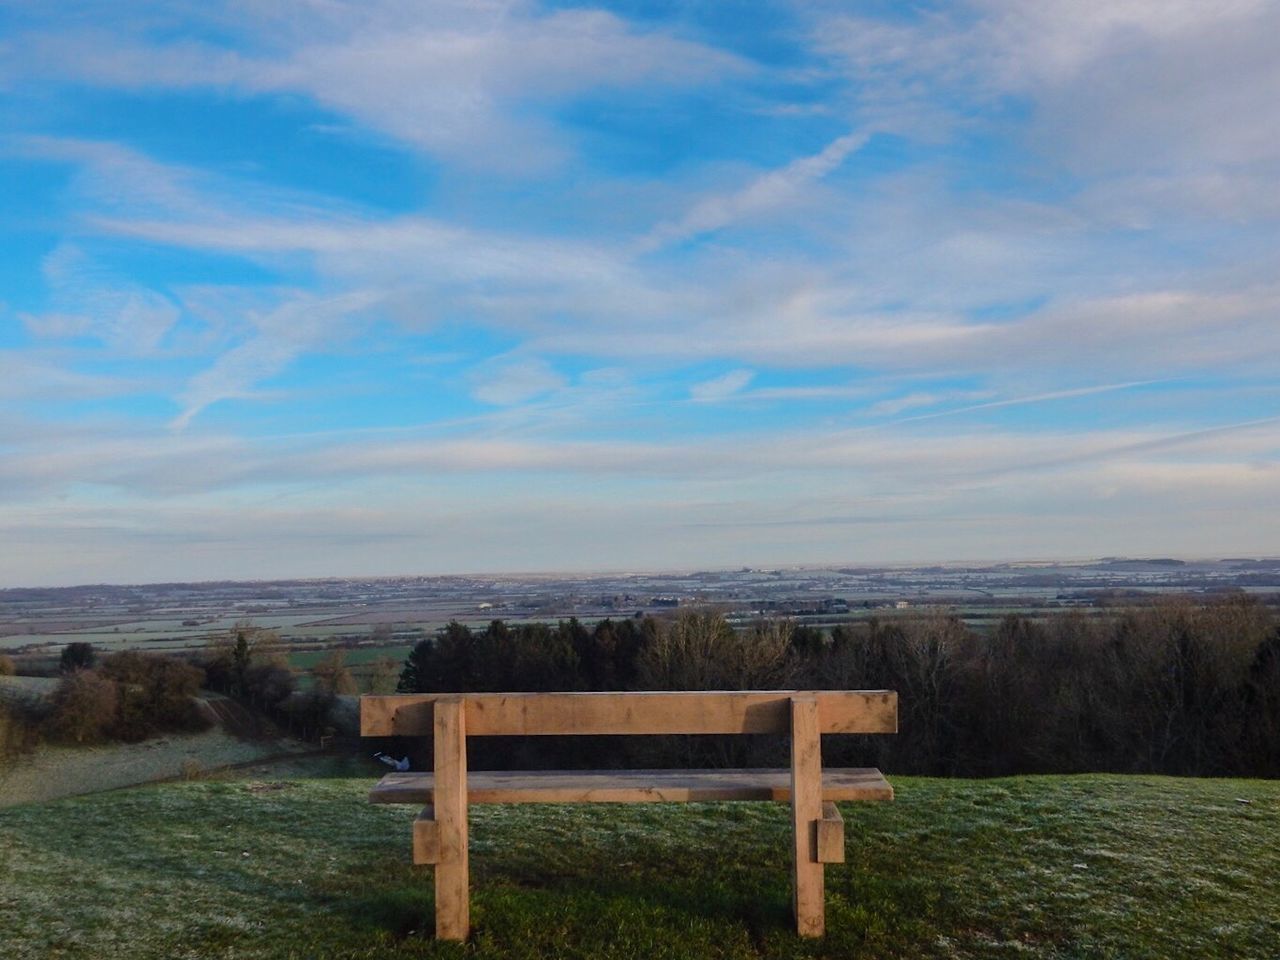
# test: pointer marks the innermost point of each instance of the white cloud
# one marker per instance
(509, 382)
(301, 324)
(766, 192)
(37, 375)
(455, 79)
(95, 302)
(899, 457)
(58, 326)
(446, 505)
(721, 387)
(911, 401)
(1172, 89)
(834, 392)
(587, 297)
(1110, 222)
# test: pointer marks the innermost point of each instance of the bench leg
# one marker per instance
(453, 904)
(806, 811)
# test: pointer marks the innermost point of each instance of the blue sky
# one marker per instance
(381, 287)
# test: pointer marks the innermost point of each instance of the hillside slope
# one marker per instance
(1094, 866)
(50, 772)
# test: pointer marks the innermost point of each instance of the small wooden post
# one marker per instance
(830, 834)
(453, 905)
(806, 811)
(426, 837)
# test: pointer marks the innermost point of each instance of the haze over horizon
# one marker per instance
(385, 288)
(1218, 565)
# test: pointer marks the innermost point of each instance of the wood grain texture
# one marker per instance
(426, 837)
(632, 786)
(453, 906)
(806, 811)
(830, 845)
(713, 711)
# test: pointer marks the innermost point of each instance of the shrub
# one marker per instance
(155, 694)
(269, 684)
(7, 666)
(18, 729)
(382, 676)
(308, 713)
(77, 656)
(83, 709)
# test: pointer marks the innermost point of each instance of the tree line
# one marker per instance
(1177, 687)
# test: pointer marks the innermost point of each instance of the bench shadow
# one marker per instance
(401, 912)
(758, 911)
(407, 909)
(743, 890)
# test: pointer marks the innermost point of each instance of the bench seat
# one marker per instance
(633, 786)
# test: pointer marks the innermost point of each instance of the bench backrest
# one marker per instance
(718, 711)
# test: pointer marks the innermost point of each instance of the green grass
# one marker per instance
(1064, 867)
(355, 656)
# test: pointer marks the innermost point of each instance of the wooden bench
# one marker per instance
(440, 831)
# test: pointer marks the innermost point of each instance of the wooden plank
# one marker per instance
(453, 906)
(806, 811)
(426, 837)
(830, 845)
(633, 786)
(712, 711)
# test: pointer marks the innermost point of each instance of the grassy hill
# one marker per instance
(287, 866)
(51, 771)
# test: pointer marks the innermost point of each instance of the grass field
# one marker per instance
(355, 656)
(275, 867)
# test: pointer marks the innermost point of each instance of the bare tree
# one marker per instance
(333, 676)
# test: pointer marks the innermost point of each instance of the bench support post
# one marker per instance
(453, 906)
(830, 834)
(806, 811)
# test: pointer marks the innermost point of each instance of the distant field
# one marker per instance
(166, 630)
(172, 635)
(306, 659)
(1138, 868)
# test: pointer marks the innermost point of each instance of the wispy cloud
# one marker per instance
(766, 192)
(893, 407)
(43, 376)
(513, 381)
(911, 401)
(460, 80)
(721, 387)
(92, 301)
(988, 276)
(300, 325)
